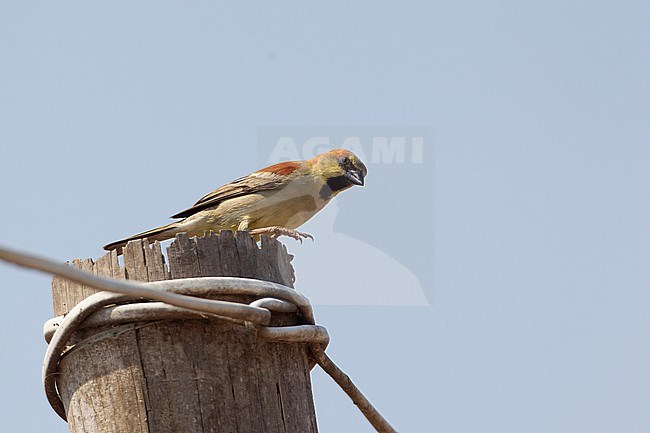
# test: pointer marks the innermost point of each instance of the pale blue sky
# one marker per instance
(526, 225)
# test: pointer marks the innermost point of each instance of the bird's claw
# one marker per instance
(282, 231)
(299, 236)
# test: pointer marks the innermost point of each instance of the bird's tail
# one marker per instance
(157, 234)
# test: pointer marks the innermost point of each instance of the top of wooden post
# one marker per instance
(223, 255)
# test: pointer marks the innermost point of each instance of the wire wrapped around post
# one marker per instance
(59, 331)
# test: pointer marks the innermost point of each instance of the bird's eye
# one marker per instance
(345, 160)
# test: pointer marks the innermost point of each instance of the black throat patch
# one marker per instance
(334, 184)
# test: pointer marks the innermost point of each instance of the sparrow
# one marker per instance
(275, 200)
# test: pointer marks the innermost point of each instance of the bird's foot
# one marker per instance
(276, 231)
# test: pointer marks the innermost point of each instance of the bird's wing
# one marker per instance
(266, 179)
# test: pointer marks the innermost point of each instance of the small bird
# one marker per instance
(275, 200)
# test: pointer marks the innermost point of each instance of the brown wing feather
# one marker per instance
(267, 179)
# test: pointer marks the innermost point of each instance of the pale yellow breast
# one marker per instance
(290, 206)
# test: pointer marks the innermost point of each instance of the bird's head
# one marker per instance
(340, 169)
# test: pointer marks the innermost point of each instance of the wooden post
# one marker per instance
(185, 376)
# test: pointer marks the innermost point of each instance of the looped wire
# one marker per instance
(106, 308)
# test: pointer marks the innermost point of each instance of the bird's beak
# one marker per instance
(355, 176)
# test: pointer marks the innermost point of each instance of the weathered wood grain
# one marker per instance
(156, 268)
(102, 385)
(134, 261)
(60, 301)
(208, 255)
(228, 254)
(184, 376)
(183, 258)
